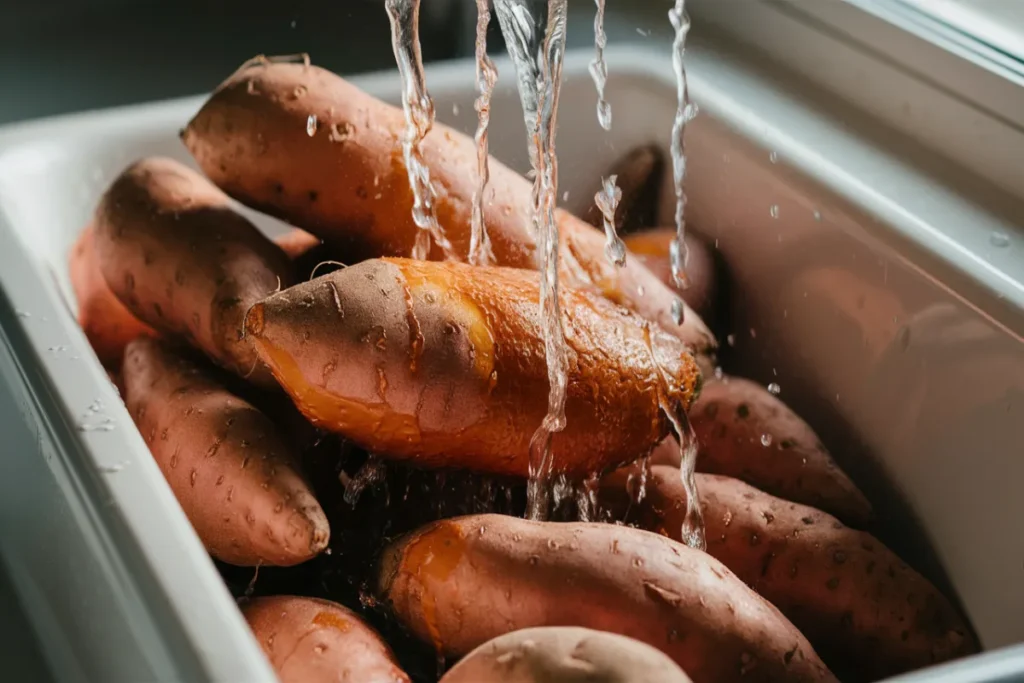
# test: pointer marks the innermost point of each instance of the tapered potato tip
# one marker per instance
(253, 325)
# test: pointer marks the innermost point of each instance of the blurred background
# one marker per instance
(68, 55)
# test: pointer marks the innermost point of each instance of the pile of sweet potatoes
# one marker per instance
(350, 442)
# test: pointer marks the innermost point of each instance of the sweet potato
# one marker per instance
(444, 363)
(182, 260)
(107, 324)
(639, 176)
(651, 247)
(229, 468)
(460, 582)
(565, 654)
(745, 432)
(856, 601)
(348, 184)
(296, 243)
(309, 640)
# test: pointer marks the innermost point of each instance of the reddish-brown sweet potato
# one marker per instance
(444, 363)
(229, 468)
(651, 247)
(107, 324)
(348, 183)
(182, 260)
(859, 604)
(747, 433)
(309, 640)
(565, 654)
(460, 582)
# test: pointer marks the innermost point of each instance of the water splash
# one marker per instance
(685, 112)
(607, 200)
(480, 253)
(599, 68)
(693, 518)
(536, 44)
(419, 118)
(774, 389)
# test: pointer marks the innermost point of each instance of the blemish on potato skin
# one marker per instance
(832, 583)
(743, 411)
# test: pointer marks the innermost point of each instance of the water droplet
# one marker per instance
(640, 291)
(24, 314)
(766, 440)
(817, 215)
(565, 196)
(719, 373)
(645, 34)
(999, 239)
(774, 210)
(678, 311)
(311, 125)
(731, 340)
(773, 157)
(455, 109)
(774, 389)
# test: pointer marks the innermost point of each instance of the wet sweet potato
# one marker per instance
(444, 363)
(309, 640)
(747, 433)
(565, 654)
(460, 582)
(107, 324)
(651, 247)
(182, 260)
(855, 600)
(228, 466)
(348, 183)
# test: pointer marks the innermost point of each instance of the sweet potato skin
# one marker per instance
(460, 582)
(107, 324)
(856, 601)
(444, 363)
(651, 247)
(182, 260)
(309, 640)
(564, 654)
(225, 461)
(348, 183)
(732, 416)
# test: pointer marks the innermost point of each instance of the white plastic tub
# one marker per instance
(875, 300)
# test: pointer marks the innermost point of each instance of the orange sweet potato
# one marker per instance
(565, 654)
(228, 466)
(856, 601)
(747, 433)
(444, 363)
(309, 640)
(182, 260)
(460, 582)
(348, 184)
(651, 247)
(107, 324)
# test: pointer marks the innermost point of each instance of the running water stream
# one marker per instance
(404, 16)
(607, 198)
(685, 112)
(486, 75)
(534, 32)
